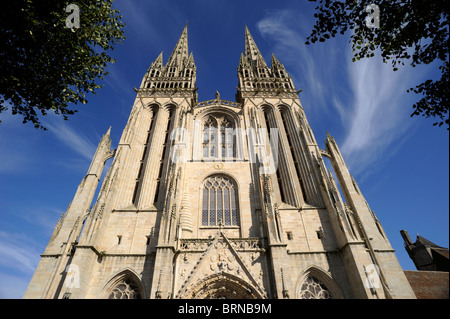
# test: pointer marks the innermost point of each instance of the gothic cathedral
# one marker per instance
(218, 199)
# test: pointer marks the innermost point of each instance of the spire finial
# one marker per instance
(251, 49)
(107, 136)
(275, 62)
(181, 50)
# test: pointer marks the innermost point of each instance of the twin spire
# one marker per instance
(181, 68)
(180, 56)
(253, 61)
(255, 77)
(179, 74)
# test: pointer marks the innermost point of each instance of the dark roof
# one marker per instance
(425, 242)
(429, 284)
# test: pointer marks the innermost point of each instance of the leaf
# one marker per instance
(53, 76)
(413, 32)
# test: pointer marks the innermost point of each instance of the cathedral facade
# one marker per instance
(218, 199)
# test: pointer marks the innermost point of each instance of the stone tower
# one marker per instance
(218, 199)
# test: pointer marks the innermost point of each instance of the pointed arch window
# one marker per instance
(219, 203)
(209, 145)
(313, 288)
(125, 289)
(219, 138)
(227, 138)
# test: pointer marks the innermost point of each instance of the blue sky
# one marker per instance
(399, 162)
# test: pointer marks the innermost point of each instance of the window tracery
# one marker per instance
(219, 203)
(219, 140)
(125, 289)
(313, 288)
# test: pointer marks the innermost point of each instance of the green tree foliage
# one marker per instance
(410, 31)
(45, 66)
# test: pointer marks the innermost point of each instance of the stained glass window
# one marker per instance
(218, 140)
(219, 203)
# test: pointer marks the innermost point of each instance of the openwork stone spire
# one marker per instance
(158, 64)
(177, 76)
(180, 53)
(256, 78)
(252, 52)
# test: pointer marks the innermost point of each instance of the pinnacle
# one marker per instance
(275, 60)
(190, 61)
(107, 134)
(158, 62)
(251, 49)
(181, 50)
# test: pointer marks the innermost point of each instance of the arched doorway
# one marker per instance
(223, 286)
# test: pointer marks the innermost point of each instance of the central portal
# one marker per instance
(224, 286)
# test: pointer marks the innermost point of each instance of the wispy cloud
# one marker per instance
(13, 287)
(289, 38)
(137, 11)
(118, 82)
(13, 158)
(18, 252)
(312, 67)
(15, 148)
(43, 218)
(19, 257)
(71, 138)
(369, 98)
(378, 115)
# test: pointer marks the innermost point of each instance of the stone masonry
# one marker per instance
(218, 199)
